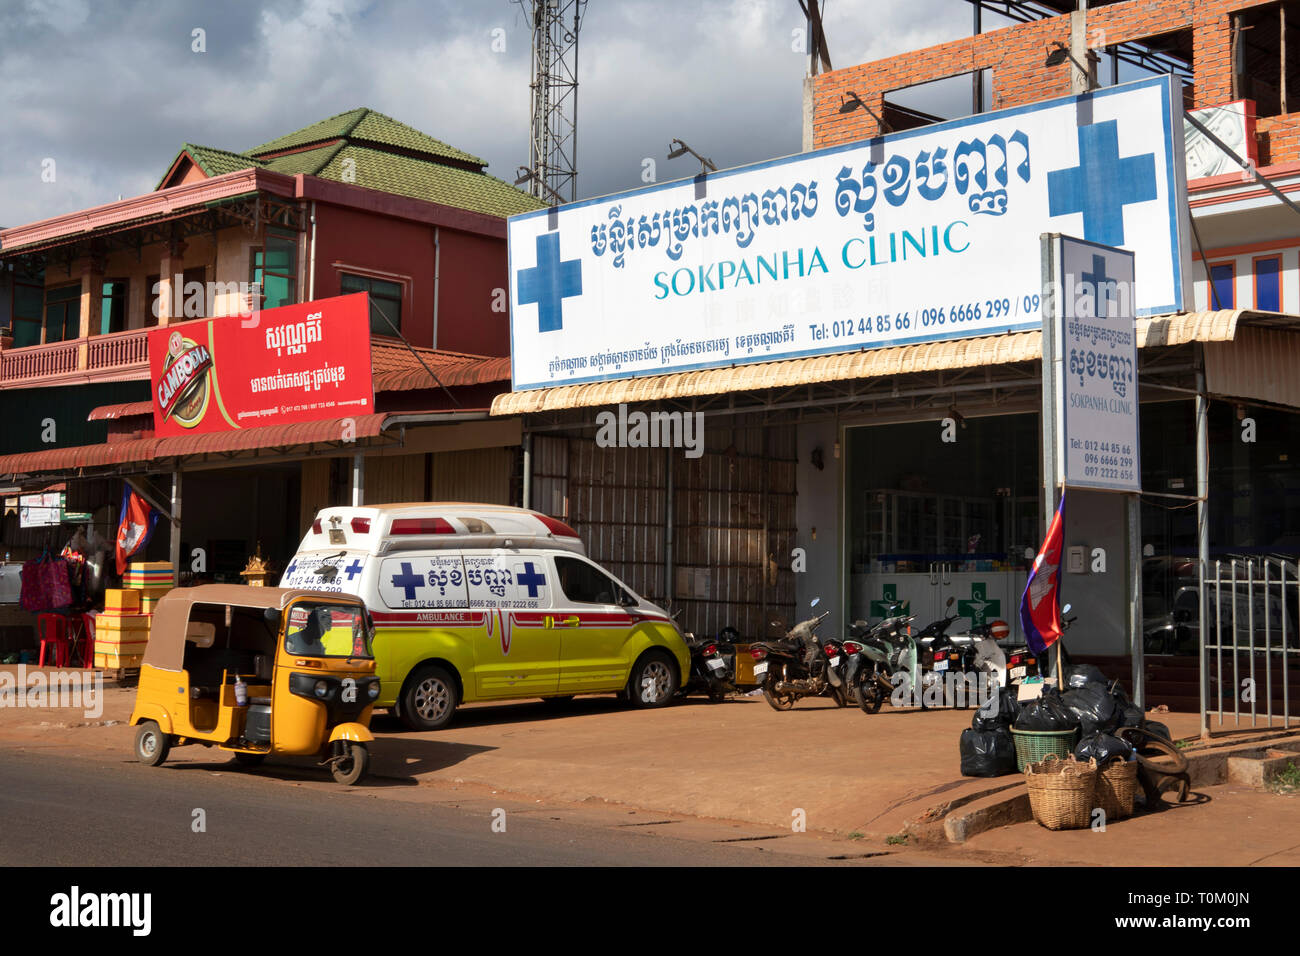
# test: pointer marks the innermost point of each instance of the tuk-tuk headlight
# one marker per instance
(322, 689)
(373, 690)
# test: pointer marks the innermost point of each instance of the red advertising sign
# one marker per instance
(297, 363)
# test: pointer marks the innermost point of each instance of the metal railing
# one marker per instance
(1250, 634)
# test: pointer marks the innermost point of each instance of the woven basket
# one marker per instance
(1034, 745)
(1062, 793)
(1116, 787)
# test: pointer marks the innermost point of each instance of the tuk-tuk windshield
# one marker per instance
(328, 630)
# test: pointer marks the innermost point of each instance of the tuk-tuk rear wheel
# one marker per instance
(352, 766)
(151, 744)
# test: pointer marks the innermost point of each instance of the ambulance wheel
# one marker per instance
(429, 699)
(352, 766)
(151, 744)
(653, 682)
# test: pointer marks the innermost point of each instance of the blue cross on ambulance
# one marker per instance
(477, 602)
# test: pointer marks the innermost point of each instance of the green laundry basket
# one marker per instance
(1033, 745)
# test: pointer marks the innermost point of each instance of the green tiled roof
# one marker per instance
(366, 124)
(310, 161)
(213, 161)
(425, 168)
(435, 182)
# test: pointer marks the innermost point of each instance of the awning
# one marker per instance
(340, 432)
(1008, 348)
(104, 413)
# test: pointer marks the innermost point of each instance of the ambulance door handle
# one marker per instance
(573, 621)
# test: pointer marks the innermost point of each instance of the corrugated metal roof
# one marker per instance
(150, 449)
(1218, 326)
(1261, 364)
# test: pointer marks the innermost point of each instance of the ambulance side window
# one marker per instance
(583, 583)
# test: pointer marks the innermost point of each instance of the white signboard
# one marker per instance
(1097, 367)
(926, 234)
(39, 511)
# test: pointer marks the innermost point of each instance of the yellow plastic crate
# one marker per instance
(117, 660)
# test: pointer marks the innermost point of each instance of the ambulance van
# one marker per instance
(479, 602)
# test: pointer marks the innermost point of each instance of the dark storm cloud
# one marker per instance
(110, 90)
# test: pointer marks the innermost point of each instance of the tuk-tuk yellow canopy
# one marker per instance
(171, 616)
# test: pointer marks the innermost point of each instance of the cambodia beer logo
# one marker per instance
(185, 389)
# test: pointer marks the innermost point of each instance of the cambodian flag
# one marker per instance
(135, 527)
(1040, 612)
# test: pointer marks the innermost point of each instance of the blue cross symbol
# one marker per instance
(1102, 184)
(288, 572)
(1103, 286)
(531, 579)
(550, 282)
(408, 581)
(353, 569)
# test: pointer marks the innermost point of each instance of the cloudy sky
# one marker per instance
(110, 89)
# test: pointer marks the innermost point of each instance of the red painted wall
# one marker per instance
(471, 267)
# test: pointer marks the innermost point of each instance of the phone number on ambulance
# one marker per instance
(929, 318)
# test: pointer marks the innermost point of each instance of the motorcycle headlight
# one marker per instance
(373, 690)
(321, 689)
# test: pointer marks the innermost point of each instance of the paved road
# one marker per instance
(92, 813)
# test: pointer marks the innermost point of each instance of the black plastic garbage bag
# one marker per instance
(987, 753)
(1047, 712)
(1104, 747)
(1078, 675)
(1095, 706)
(1130, 715)
(1156, 728)
(989, 718)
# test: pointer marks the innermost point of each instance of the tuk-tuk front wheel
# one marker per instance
(352, 764)
(151, 744)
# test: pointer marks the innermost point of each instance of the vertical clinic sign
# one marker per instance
(1095, 344)
(926, 234)
(297, 363)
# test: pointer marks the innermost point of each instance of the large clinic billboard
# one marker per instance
(927, 234)
(296, 363)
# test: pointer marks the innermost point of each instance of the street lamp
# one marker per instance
(527, 175)
(1058, 53)
(678, 148)
(853, 102)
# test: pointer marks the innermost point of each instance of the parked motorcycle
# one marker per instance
(798, 665)
(710, 673)
(879, 659)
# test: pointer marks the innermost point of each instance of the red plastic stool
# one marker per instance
(88, 642)
(53, 629)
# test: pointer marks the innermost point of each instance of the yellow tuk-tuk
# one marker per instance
(258, 671)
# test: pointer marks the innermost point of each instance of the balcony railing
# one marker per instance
(90, 358)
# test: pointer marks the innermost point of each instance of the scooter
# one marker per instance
(797, 666)
(710, 674)
(880, 660)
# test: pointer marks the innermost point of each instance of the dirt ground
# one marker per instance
(848, 775)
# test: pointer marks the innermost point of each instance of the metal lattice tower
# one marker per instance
(553, 139)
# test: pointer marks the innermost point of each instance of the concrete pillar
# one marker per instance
(171, 300)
